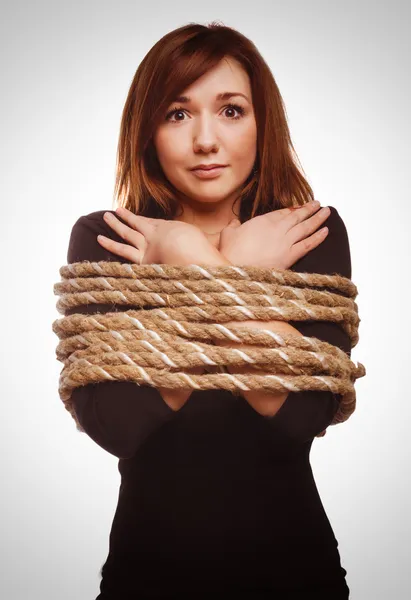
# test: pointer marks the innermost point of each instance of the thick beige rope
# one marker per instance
(177, 313)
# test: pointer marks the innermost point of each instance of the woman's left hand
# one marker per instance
(230, 245)
(284, 236)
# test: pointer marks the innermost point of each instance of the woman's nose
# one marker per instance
(205, 134)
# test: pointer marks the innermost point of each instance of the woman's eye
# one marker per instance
(230, 107)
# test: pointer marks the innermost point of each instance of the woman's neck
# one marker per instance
(210, 222)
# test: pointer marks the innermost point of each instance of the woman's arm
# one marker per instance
(305, 414)
(117, 415)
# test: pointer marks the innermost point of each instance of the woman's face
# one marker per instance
(206, 130)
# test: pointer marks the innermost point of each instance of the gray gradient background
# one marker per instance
(343, 70)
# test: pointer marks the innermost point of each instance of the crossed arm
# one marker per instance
(309, 412)
(265, 403)
(119, 415)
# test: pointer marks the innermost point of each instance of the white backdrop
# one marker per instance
(343, 71)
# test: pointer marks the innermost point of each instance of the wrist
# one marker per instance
(212, 257)
(206, 255)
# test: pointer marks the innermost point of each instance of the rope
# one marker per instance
(177, 313)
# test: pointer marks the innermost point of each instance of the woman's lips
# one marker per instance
(208, 173)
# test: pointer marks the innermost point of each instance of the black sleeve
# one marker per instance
(117, 415)
(305, 414)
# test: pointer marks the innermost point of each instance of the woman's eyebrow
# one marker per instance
(222, 96)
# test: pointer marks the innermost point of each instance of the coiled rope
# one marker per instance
(179, 311)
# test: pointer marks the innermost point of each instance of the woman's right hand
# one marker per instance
(277, 239)
(154, 241)
(158, 241)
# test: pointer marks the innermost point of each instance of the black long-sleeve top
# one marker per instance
(215, 498)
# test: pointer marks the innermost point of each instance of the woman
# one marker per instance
(217, 494)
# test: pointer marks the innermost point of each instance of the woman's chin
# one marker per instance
(209, 196)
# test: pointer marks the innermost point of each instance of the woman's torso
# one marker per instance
(216, 497)
(220, 496)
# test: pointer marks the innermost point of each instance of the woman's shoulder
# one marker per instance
(332, 255)
(83, 243)
(91, 220)
(335, 223)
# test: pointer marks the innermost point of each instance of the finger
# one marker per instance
(127, 233)
(128, 252)
(291, 210)
(139, 223)
(302, 248)
(234, 223)
(307, 224)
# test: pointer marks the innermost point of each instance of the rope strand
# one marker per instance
(170, 316)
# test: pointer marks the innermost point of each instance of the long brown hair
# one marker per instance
(176, 61)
